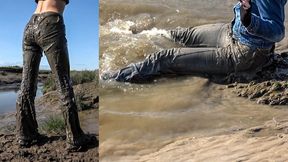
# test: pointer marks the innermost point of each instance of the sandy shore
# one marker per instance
(267, 142)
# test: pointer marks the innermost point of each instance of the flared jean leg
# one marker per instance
(52, 39)
(26, 123)
(59, 64)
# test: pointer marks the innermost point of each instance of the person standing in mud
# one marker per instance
(45, 32)
(242, 46)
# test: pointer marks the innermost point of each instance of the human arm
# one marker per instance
(267, 25)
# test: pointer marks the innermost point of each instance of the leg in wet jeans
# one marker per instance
(180, 61)
(221, 56)
(185, 60)
(46, 32)
(26, 124)
(54, 44)
(59, 64)
(210, 35)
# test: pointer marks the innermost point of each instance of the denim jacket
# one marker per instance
(266, 27)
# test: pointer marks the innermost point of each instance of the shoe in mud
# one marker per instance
(83, 142)
(108, 75)
(25, 142)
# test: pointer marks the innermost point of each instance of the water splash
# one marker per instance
(123, 47)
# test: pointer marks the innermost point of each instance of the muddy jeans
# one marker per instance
(45, 32)
(209, 49)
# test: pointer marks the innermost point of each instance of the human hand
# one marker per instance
(245, 4)
(245, 12)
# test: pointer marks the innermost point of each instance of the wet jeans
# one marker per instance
(209, 49)
(45, 33)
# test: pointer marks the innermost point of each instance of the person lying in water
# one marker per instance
(244, 45)
(45, 32)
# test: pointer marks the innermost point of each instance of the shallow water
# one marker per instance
(135, 120)
(8, 99)
(88, 119)
(139, 119)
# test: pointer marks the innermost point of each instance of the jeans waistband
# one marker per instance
(49, 13)
(40, 16)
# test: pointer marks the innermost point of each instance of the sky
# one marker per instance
(81, 20)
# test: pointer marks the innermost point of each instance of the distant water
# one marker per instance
(8, 99)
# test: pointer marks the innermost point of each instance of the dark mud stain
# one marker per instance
(53, 149)
(269, 86)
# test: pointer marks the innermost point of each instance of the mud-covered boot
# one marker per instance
(26, 123)
(25, 142)
(76, 139)
(82, 142)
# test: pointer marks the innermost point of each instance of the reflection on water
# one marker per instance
(139, 119)
(8, 99)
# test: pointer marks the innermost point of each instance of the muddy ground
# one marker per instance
(53, 149)
(269, 86)
(268, 92)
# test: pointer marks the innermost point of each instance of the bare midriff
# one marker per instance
(57, 6)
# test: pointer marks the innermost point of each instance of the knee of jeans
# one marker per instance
(64, 86)
(24, 94)
(168, 54)
(20, 98)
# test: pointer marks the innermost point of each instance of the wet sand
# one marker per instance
(268, 142)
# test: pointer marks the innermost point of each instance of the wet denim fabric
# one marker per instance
(216, 53)
(45, 33)
(266, 24)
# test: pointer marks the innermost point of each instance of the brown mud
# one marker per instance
(269, 86)
(268, 92)
(53, 149)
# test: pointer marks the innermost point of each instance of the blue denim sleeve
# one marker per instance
(267, 29)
